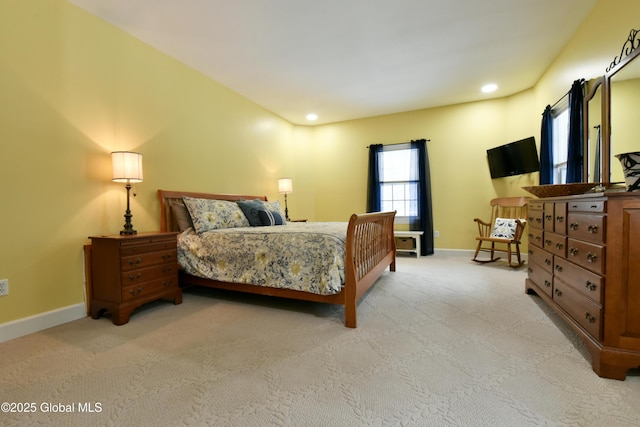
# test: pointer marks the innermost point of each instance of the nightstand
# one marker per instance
(128, 271)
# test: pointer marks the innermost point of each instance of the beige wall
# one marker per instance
(74, 88)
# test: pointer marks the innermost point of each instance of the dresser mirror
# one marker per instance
(620, 124)
(595, 168)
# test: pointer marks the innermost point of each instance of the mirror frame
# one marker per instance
(630, 51)
(595, 84)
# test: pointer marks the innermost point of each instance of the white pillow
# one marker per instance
(504, 228)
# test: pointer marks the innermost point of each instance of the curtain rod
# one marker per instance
(582, 82)
(401, 143)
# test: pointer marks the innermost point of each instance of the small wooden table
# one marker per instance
(408, 241)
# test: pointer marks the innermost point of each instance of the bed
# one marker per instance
(366, 241)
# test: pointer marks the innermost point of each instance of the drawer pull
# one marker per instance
(167, 283)
(559, 245)
(547, 283)
(548, 217)
(547, 261)
(538, 238)
(138, 261)
(558, 292)
(538, 220)
(559, 218)
(589, 317)
(573, 251)
(135, 292)
(591, 257)
(591, 286)
(530, 251)
(136, 277)
(592, 229)
(559, 268)
(166, 257)
(167, 270)
(530, 270)
(547, 242)
(573, 226)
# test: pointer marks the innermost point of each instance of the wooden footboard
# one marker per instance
(370, 248)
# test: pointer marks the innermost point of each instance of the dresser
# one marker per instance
(128, 271)
(584, 262)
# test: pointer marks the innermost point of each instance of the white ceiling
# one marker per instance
(348, 59)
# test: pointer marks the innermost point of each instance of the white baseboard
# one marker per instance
(39, 322)
(454, 252)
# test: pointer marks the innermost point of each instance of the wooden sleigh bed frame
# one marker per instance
(370, 248)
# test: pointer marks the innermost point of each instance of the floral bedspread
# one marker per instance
(306, 257)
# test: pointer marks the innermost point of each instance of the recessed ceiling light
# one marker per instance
(491, 87)
(312, 116)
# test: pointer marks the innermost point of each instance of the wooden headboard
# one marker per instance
(167, 221)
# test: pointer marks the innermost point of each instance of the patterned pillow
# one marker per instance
(504, 228)
(269, 218)
(251, 208)
(209, 214)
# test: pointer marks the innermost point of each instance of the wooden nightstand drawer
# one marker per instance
(146, 246)
(147, 259)
(150, 273)
(147, 288)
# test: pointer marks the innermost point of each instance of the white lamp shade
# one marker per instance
(127, 166)
(285, 185)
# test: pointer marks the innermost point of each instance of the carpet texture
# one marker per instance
(441, 342)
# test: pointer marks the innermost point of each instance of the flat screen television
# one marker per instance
(515, 158)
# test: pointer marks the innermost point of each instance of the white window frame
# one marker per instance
(560, 140)
(395, 176)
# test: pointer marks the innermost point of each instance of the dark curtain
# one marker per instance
(425, 220)
(575, 148)
(373, 187)
(546, 148)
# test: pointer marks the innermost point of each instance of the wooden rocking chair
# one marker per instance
(508, 220)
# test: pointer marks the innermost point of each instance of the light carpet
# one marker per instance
(443, 341)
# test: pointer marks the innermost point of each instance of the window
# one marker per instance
(560, 141)
(399, 181)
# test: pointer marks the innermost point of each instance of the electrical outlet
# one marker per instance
(4, 287)
(436, 234)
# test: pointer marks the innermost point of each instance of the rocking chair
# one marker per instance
(508, 220)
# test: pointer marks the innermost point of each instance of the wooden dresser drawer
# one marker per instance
(536, 205)
(587, 255)
(147, 259)
(541, 276)
(584, 311)
(541, 257)
(534, 218)
(585, 282)
(587, 206)
(535, 236)
(587, 227)
(555, 243)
